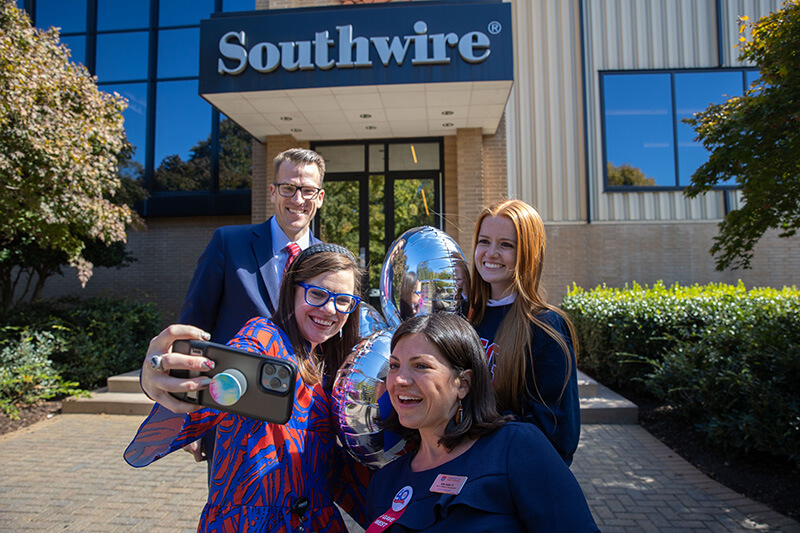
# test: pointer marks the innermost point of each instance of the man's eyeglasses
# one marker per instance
(287, 190)
(317, 297)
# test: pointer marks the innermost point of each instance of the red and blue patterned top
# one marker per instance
(260, 470)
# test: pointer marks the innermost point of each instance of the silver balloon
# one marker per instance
(370, 320)
(423, 273)
(357, 391)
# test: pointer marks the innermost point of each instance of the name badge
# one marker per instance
(447, 484)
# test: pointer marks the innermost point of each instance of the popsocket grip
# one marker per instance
(228, 387)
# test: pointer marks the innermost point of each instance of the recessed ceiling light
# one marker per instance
(447, 112)
(448, 124)
(371, 127)
(287, 119)
(365, 115)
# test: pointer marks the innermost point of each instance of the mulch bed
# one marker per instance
(762, 479)
(29, 415)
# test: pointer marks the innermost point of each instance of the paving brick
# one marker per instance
(632, 482)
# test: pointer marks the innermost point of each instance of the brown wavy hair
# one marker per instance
(330, 355)
(514, 335)
(460, 345)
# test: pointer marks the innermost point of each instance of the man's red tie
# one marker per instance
(292, 249)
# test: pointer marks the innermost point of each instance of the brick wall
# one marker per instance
(469, 148)
(495, 169)
(615, 254)
(450, 186)
(588, 255)
(166, 256)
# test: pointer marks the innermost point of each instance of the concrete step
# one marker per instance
(123, 396)
(608, 407)
(111, 403)
(587, 387)
(128, 382)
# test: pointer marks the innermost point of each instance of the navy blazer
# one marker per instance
(232, 281)
(514, 482)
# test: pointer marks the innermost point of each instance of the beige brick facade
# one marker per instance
(166, 255)
(476, 173)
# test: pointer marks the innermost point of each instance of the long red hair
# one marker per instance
(515, 334)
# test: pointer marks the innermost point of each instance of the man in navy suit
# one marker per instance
(239, 274)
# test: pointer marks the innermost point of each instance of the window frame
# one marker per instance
(603, 74)
(212, 201)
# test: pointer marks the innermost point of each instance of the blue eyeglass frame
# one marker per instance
(330, 294)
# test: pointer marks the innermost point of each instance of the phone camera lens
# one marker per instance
(269, 370)
(283, 373)
(275, 383)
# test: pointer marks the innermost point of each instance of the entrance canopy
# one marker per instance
(414, 69)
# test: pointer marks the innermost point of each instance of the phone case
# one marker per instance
(246, 383)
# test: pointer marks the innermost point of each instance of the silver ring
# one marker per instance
(157, 363)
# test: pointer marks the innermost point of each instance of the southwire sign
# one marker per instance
(473, 47)
(417, 42)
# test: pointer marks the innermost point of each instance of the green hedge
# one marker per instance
(726, 359)
(100, 337)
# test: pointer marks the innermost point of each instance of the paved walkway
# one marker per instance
(67, 474)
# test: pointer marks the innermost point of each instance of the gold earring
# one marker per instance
(459, 413)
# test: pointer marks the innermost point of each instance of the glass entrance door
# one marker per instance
(374, 191)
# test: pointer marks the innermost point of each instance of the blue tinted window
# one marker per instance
(122, 56)
(69, 15)
(77, 48)
(181, 120)
(751, 76)
(178, 53)
(694, 92)
(122, 15)
(238, 5)
(235, 156)
(183, 127)
(638, 126)
(135, 115)
(646, 141)
(183, 12)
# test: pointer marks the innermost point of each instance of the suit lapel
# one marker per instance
(262, 248)
(267, 263)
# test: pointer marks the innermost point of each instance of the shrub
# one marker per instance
(102, 336)
(739, 386)
(26, 372)
(726, 359)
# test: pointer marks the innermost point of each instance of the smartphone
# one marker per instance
(243, 383)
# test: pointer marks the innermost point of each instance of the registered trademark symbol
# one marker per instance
(495, 27)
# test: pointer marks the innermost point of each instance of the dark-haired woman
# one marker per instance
(530, 344)
(269, 477)
(471, 469)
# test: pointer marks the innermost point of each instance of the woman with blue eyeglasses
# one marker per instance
(270, 477)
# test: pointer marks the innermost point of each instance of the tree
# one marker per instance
(755, 139)
(626, 174)
(60, 143)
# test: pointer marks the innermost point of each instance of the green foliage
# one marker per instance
(340, 215)
(626, 174)
(26, 372)
(755, 139)
(726, 359)
(101, 337)
(60, 142)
